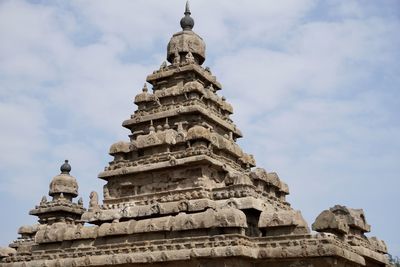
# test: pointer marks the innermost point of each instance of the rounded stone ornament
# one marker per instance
(64, 182)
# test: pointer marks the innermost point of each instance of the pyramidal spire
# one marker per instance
(187, 21)
(187, 9)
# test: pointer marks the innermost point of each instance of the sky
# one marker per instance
(314, 85)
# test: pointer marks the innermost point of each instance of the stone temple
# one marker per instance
(181, 192)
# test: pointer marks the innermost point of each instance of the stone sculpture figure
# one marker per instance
(189, 58)
(177, 58)
(94, 200)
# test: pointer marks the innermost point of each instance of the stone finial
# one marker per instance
(187, 22)
(151, 128)
(166, 125)
(65, 168)
(186, 41)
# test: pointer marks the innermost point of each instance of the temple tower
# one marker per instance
(181, 192)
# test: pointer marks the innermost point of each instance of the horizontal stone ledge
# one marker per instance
(183, 110)
(162, 165)
(259, 254)
(152, 78)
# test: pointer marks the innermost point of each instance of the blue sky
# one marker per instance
(314, 84)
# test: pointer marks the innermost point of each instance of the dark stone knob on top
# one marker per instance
(65, 168)
(187, 22)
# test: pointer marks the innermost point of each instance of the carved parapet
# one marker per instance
(342, 220)
(237, 178)
(230, 217)
(225, 217)
(52, 233)
(271, 179)
(116, 228)
(170, 71)
(162, 137)
(306, 247)
(235, 191)
(327, 221)
(241, 203)
(80, 232)
(371, 254)
(284, 188)
(378, 245)
(350, 225)
(137, 212)
(200, 155)
(209, 219)
(355, 217)
(259, 174)
(101, 215)
(119, 147)
(171, 91)
(6, 252)
(58, 206)
(230, 146)
(186, 206)
(145, 98)
(248, 159)
(28, 231)
(193, 86)
(198, 132)
(190, 90)
(23, 247)
(226, 106)
(270, 219)
(291, 249)
(183, 110)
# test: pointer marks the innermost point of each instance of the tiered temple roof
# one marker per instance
(181, 192)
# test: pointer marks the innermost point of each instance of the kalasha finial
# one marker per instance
(65, 168)
(187, 8)
(187, 22)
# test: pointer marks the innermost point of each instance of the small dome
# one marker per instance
(186, 41)
(64, 182)
(28, 229)
(187, 22)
